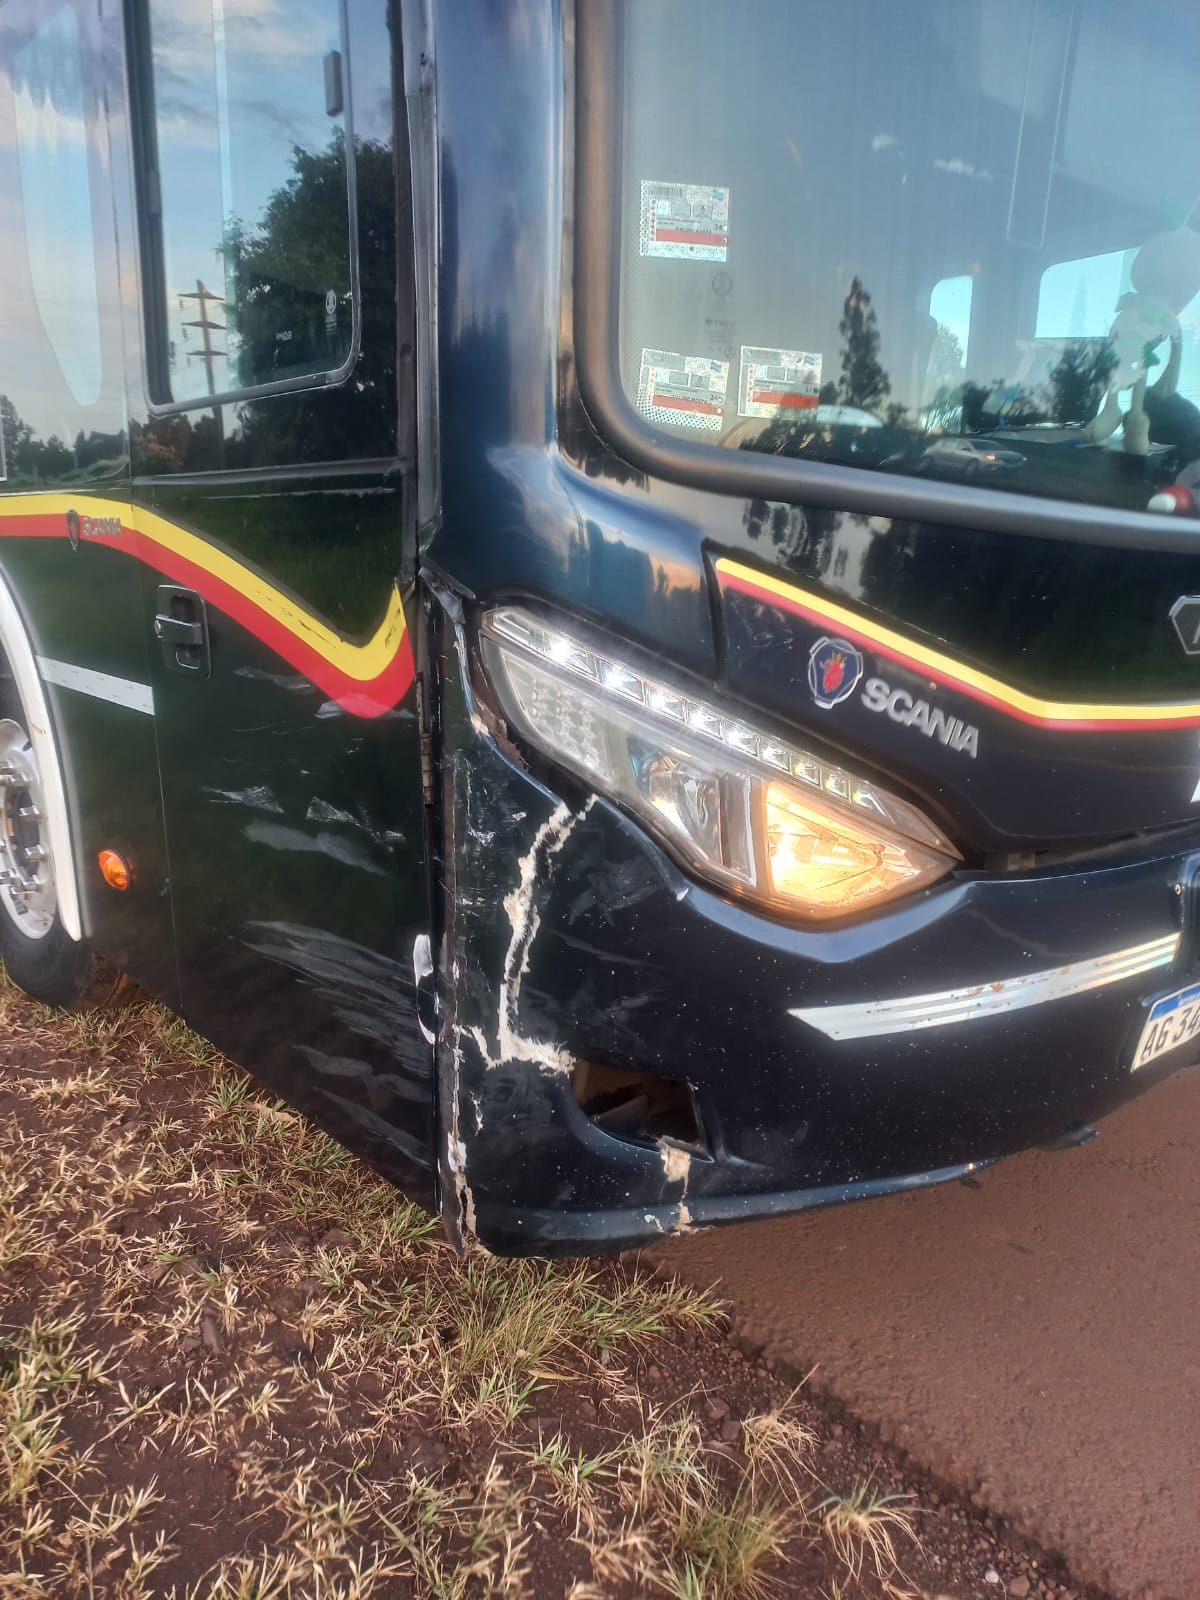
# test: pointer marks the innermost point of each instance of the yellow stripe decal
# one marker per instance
(367, 678)
(979, 685)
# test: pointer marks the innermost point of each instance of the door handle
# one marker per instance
(181, 627)
(174, 630)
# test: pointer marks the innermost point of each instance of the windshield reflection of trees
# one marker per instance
(863, 387)
(31, 461)
(1050, 410)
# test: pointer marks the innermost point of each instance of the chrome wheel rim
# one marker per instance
(26, 869)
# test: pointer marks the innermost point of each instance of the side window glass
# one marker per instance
(250, 118)
(56, 199)
(1078, 302)
(1078, 299)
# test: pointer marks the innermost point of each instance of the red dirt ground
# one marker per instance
(1035, 1339)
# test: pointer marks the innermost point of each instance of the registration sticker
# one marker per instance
(1173, 1021)
(684, 391)
(684, 221)
(773, 381)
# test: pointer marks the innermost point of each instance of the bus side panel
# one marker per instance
(296, 831)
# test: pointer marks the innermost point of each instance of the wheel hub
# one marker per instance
(26, 870)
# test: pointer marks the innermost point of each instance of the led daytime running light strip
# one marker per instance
(704, 721)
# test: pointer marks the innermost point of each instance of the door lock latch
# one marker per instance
(181, 627)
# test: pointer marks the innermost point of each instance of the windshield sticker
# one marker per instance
(684, 221)
(686, 391)
(778, 380)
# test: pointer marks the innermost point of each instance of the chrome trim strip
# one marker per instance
(867, 1019)
(100, 685)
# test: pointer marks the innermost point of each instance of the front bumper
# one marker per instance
(569, 935)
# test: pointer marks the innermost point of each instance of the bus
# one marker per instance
(606, 595)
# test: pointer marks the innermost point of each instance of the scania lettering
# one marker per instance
(932, 721)
(603, 594)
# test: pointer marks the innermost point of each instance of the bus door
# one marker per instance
(270, 499)
(67, 568)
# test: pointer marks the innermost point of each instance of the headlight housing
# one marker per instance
(749, 812)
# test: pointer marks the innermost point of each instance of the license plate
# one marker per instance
(1173, 1020)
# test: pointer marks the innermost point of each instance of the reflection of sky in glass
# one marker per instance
(950, 304)
(52, 149)
(238, 85)
(1078, 299)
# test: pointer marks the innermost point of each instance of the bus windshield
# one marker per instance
(956, 238)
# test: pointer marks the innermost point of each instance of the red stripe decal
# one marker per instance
(48, 526)
(684, 236)
(788, 402)
(368, 699)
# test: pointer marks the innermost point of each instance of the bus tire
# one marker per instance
(38, 954)
(57, 970)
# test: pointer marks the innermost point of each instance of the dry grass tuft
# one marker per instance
(863, 1527)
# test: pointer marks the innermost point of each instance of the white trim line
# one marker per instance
(19, 650)
(866, 1019)
(100, 685)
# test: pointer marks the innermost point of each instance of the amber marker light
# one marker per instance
(115, 870)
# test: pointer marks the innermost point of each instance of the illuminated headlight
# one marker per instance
(744, 809)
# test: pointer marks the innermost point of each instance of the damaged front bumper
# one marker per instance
(990, 1014)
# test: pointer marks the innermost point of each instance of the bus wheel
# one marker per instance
(37, 953)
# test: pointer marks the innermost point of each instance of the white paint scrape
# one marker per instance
(525, 920)
(677, 1163)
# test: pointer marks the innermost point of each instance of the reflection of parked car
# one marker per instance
(953, 453)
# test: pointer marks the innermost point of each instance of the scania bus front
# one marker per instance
(816, 599)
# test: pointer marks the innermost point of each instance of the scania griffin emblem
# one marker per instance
(834, 668)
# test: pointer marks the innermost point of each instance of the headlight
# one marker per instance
(745, 810)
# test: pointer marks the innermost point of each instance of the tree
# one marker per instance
(18, 441)
(977, 416)
(1078, 382)
(282, 268)
(945, 374)
(864, 381)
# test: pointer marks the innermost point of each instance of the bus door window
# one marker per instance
(250, 113)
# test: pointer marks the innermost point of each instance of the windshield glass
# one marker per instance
(958, 238)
